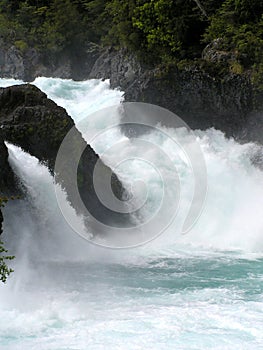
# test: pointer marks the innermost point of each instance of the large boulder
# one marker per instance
(35, 123)
(32, 121)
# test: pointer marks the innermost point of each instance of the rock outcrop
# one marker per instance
(7, 178)
(29, 63)
(202, 99)
(35, 123)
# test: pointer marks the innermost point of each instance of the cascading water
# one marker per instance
(201, 290)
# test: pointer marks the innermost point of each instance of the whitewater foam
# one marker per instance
(202, 290)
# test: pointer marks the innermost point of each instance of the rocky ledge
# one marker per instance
(35, 123)
(29, 63)
(201, 95)
(203, 98)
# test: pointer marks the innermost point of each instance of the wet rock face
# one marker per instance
(11, 63)
(121, 67)
(32, 121)
(36, 124)
(7, 179)
(7, 182)
(201, 99)
(30, 63)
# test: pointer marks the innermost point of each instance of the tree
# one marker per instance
(64, 25)
(158, 29)
(95, 18)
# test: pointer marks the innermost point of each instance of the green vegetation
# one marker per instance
(240, 25)
(158, 31)
(4, 269)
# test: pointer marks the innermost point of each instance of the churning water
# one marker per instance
(202, 290)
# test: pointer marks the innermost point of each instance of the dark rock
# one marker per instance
(1, 222)
(7, 178)
(30, 63)
(11, 62)
(122, 68)
(252, 129)
(32, 121)
(200, 98)
(36, 124)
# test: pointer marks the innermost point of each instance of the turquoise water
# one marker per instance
(203, 290)
(183, 302)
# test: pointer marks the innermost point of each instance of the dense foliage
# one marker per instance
(240, 24)
(159, 31)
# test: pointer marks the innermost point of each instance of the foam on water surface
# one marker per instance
(203, 290)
